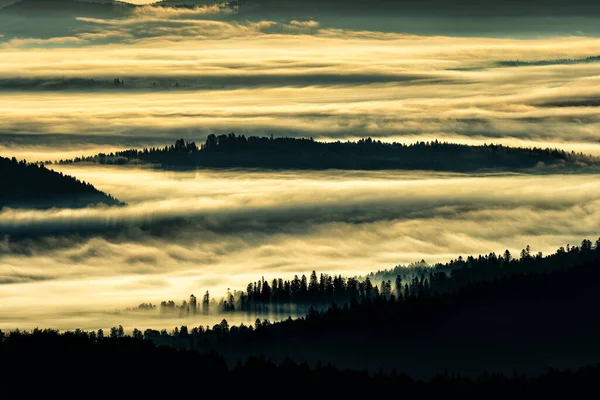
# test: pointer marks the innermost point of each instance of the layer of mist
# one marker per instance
(80, 79)
(188, 232)
(160, 73)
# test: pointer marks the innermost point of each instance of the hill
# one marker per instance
(233, 151)
(523, 322)
(179, 369)
(26, 185)
(141, 359)
(324, 290)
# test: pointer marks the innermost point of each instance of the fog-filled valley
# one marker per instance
(188, 232)
(393, 194)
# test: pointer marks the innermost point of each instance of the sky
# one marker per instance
(191, 72)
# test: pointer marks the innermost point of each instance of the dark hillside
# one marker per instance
(233, 151)
(26, 185)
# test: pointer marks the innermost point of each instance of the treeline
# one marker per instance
(229, 151)
(522, 323)
(134, 361)
(561, 61)
(59, 84)
(493, 266)
(30, 185)
(87, 84)
(400, 283)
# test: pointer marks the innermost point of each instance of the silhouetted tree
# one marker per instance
(206, 303)
(193, 303)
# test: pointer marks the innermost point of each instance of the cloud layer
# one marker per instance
(188, 75)
(189, 232)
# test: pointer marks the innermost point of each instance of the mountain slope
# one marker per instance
(520, 323)
(31, 186)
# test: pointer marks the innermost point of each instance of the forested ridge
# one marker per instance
(561, 61)
(239, 151)
(539, 313)
(86, 358)
(30, 185)
(519, 322)
(402, 282)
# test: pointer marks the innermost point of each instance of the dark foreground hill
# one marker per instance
(111, 365)
(233, 151)
(26, 185)
(518, 323)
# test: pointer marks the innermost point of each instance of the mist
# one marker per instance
(83, 81)
(188, 232)
(189, 73)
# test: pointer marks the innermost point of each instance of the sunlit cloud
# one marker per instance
(192, 72)
(214, 230)
(188, 75)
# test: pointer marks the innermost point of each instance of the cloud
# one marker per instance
(324, 105)
(208, 230)
(152, 12)
(225, 81)
(202, 202)
(172, 25)
(188, 232)
(192, 76)
(35, 42)
(301, 24)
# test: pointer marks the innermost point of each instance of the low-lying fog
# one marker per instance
(188, 232)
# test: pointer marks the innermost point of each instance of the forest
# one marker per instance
(524, 323)
(417, 280)
(87, 358)
(535, 315)
(144, 361)
(562, 61)
(30, 185)
(239, 151)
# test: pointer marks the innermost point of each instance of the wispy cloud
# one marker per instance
(34, 42)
